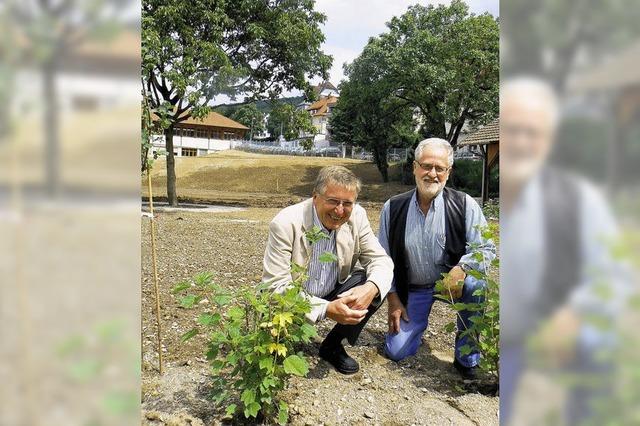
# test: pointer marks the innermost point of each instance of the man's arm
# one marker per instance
(383, 237)
(475, 219)
(277, 267)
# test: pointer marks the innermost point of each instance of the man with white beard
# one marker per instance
(429, 231)
(554, 230)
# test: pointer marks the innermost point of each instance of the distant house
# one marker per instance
(194, 137)
(326, 89)
(320, 113)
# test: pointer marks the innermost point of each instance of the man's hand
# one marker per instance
(364, 294)
(339, 311)
(454, 283)
(396, 311)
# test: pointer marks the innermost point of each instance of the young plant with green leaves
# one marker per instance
(253, 336)
(484, 328)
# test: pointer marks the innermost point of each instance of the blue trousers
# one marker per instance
(406, 342)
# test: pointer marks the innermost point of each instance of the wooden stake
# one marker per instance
(155, 273)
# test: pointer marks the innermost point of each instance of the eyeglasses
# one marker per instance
(427, 167)
(334, 202)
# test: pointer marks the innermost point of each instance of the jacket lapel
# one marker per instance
(307, 224)
(344, 249)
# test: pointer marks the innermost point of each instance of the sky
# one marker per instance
(350, 23)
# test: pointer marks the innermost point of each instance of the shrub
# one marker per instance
(253, 336)
(484, 329)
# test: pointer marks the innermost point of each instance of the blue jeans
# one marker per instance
(406, 342)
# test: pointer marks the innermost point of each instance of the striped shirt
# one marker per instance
(323, 276)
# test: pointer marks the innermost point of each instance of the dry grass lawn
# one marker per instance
(250, 178)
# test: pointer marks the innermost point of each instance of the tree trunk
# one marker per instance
(172, 196)
(52, 138)
(456, 133)
(380, 157)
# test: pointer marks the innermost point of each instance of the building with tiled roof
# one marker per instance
(320, 112)
(325, 89)
(194, 137)
(487, 139)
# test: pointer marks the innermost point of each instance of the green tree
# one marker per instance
(290, 121)
(250, 116)
(443, 61)
(367, 114)
(195, 51)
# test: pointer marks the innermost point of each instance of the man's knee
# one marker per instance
(396, 352)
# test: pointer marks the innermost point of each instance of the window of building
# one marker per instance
(189, 152)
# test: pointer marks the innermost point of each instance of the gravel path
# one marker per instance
(422, 390)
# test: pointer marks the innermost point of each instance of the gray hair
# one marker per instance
(337, 175)
(529, 87)
(435, 142)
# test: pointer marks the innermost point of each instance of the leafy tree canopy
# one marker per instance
(291, 121)
(194, 51)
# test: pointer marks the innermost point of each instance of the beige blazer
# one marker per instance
(356, 245)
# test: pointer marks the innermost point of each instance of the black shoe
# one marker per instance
(339, 358)
(469, 373)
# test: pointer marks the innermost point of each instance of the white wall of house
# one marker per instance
(204, 146)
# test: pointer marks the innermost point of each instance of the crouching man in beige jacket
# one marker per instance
(348, 291)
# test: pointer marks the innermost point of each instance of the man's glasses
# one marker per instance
(427, 167)
(334, 202)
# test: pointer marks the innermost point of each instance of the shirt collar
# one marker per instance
(436, 203)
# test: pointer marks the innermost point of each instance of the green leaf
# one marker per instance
(308, 330)
(465, 350)
(236, 312)
(217, 365)
(315, 234)
(209, 319)
(189, 334)
(184, 285)
(296, 365)
(203, 279)
(222, 299)
(328, 257)
(212, 353)
(248, 396)
(219, 397)
(297, 269)
(231, 409)
(283, 413)
(189, 301)
(251, 410)
(266, 363)
(450, 327)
